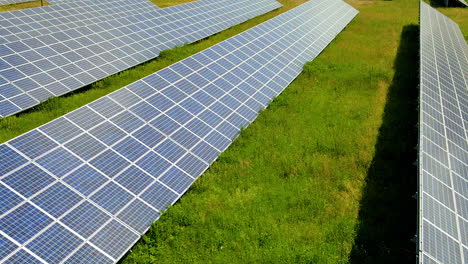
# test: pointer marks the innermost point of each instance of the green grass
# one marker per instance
(324, 175)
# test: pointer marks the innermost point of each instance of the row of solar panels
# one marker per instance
(61, 53)
(443, 140)
(88, 184)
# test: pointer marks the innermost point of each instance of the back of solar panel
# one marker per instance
(61, 58)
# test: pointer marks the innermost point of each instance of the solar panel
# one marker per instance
(443, 141)
(131, 154)
(34, 69)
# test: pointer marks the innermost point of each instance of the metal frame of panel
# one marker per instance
(55, 64)
(131, 154)
(443, 141)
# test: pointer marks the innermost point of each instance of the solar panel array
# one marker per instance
(443, 141)
(34, 69)
(87, 184)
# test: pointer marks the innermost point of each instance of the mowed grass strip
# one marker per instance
(13, 126)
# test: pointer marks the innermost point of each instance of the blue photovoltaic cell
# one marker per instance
(28, 180)
(148, 136)
(134, 180)
(138, 215)
(112, 197)
(153, 164)
(107, 133)
(114, 239)
(443, 140)
(192, 165)
(54, 244)
(159, 196)
(53, 50)
(85, 146)
(24, 222)
(85, 118)
(6, 247)
(109, 163)
(130, 148)
(177, 180)
(145, 160)
(9, 159)
(57, 199)
(88, 254)
(22, 257)
(59, 162)
(86, 179)
(8, 199)
(33, 144)
(61, 130)
(85, 219)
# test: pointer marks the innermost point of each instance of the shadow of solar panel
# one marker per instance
(60, 54)
(443, 147)
(144, 168)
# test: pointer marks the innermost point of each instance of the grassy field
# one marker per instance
(324, 175)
